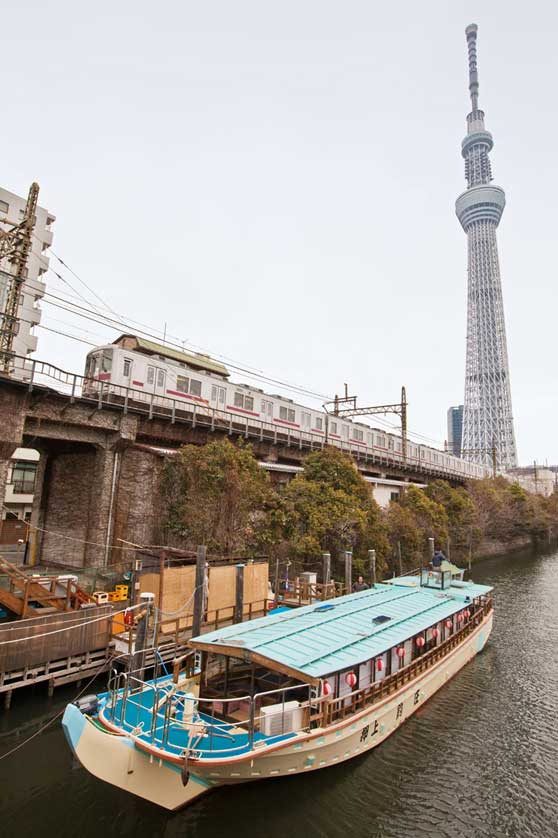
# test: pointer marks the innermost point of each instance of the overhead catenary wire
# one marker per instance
(79, 311)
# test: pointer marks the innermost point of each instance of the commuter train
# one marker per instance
(152, 373)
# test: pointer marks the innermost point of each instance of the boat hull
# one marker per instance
(117, 760)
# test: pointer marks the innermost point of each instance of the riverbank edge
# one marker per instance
(493, 549)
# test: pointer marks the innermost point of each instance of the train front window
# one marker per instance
(106, 360)
(90, 366)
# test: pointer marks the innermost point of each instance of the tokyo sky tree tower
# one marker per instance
(487, 417)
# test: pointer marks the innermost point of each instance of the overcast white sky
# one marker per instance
(276, 181)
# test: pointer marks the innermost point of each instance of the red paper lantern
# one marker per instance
(350, 679)
(460, 618)
(434, 633)
(448, 624)
(401, 651)
(467, 613)
(128, 618)
(420, 642)
(326, 688)
(379, 665)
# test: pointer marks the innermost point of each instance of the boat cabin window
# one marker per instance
(232, 678)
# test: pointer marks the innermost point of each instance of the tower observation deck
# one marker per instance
(487, 415)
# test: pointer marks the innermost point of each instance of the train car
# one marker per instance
(150, 372)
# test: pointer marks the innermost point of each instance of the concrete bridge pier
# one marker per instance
(73, 508)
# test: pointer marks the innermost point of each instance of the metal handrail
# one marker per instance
(179, 411)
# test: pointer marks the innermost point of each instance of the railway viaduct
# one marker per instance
(101, 463)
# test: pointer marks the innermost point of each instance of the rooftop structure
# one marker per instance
(316, 640)
(487, 417)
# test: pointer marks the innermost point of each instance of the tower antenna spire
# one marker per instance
(471, 34)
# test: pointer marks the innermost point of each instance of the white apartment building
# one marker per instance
(18, 498)
(12, 208)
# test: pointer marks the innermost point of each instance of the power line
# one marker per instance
(110, 323)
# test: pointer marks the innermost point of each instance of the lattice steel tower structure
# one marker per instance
(487, 416)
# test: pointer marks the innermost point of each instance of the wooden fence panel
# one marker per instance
(34, 649)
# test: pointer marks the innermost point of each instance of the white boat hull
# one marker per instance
(117, 760)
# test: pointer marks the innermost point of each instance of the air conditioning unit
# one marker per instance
(281, 718)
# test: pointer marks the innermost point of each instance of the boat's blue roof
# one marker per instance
(322, 638)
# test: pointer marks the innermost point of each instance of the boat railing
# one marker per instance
(147, 709)
(156, 719)
(335, 709)
(302, 592)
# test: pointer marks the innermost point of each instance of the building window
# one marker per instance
(127, 368)
(182, 384)
(4, 207)
(319, 423)
(287, 414)
(23, 478)
(394, 495)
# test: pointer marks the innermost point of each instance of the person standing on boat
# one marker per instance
(437, 559)
(360, 585)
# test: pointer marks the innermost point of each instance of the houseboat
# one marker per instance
(284, 694)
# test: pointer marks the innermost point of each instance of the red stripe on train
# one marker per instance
(241, 410)
(187, 396)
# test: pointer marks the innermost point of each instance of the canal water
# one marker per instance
(479, 759)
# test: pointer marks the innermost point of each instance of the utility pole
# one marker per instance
(351, 409)
(15, 246)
